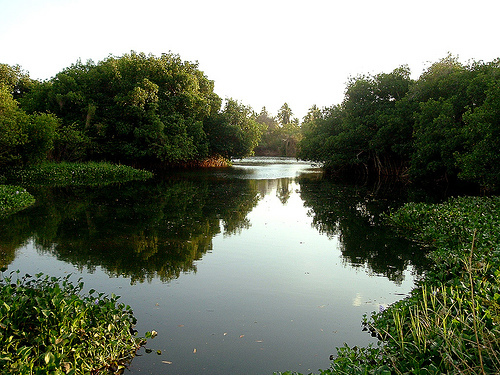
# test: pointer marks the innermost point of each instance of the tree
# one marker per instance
(233, 132)
(16, 79)
(320, 137)
(13, 122)
(134, 108)
(479, 161)
(285, 114)
(442, 99)
(270, 141)
(23, 138)
(359, 134)
(42, 133)
(266, 119)
(442, 126)
(312, 114)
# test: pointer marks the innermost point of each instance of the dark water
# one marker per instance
(262, 267)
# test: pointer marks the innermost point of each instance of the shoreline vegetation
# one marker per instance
(451, 321)
(48, 326)
(76, 174)
(14, 198)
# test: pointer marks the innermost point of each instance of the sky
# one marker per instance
(259, 52)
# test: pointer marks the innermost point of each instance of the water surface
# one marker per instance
(261, 267)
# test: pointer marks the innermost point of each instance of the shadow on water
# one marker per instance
(138, 230)
(355, 214)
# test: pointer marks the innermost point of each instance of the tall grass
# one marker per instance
(451, 323)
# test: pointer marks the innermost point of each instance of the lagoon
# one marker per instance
(265, 266)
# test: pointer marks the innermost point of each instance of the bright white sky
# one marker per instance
(260, 52)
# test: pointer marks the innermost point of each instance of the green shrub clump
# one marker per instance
(84, 174)
(14, 198)
(48, 326)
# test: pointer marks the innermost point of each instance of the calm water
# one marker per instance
(262, 267)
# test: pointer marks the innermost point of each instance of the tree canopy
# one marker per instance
(281, 134)
(444, 125)
(137, 108)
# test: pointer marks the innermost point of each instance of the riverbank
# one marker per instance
(83, 174)
(451, 321)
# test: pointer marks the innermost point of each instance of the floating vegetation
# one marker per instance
(48, 326)
(84, 174)
(13, 199)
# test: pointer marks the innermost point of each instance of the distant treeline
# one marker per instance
(443, 126)
(137, 109)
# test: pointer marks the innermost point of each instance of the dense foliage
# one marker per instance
(48, 326)
(281, 133)
(444, 125)
(133, 109)
(24, 138)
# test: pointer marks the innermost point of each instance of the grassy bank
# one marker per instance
(451, 322)
(47, 326)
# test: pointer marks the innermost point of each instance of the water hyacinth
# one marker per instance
(77, 174)
(48, 326)
(13, 199)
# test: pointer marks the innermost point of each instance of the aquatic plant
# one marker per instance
(48, 326)
(87, 174)
(13, 199)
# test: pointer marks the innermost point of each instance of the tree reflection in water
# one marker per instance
(160, 228)
(138, 230)
(353, 213)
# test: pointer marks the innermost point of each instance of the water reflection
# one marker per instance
(354, 214)
(268, 267)
(138, 230)
(160, 228)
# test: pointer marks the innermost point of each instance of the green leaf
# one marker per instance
(49, 358)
